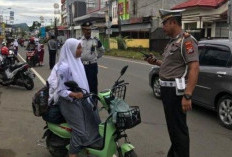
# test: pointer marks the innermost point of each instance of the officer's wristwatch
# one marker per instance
(187, 96)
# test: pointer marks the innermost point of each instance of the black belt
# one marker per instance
(163, 79)
(167, 83)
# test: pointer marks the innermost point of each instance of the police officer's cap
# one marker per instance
(166, 14)
(86, 25)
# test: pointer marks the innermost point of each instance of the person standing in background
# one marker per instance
(41, 54)
(92, 50)
(52, 48)
(15, 45)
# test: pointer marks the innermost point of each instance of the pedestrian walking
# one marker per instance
(52, 48)
(41, 54)
(178, 76)
(15, 45)
(92, 50)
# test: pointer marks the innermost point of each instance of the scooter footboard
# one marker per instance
(126, 147)
(61, 130)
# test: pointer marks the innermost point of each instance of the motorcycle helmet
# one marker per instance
(5, 51)
(3, 43)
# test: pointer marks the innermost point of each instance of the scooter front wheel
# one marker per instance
(130, 154)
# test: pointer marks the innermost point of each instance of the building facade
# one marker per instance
(205, 18)
(136, 19)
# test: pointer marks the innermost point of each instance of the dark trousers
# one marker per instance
(53, 115)
(91, 71)
(176, 123)
(52, 58)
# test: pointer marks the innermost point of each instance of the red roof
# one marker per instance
(200, 3)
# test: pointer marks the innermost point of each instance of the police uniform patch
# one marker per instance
(189, 47)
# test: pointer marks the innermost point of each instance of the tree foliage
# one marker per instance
(35, 25)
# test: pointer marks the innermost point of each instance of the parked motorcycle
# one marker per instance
(58, 135)
(32, 57)
(17, 74)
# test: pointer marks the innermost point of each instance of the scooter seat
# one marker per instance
(97, 145)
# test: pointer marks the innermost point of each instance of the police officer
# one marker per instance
(92, 50)
(179, 68)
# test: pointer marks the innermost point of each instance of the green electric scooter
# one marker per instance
(111, 131)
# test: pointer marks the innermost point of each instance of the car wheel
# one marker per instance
(156, 87)
(225, 111)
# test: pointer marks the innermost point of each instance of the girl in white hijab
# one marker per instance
(81, 117)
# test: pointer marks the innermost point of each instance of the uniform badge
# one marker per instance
(189, 47)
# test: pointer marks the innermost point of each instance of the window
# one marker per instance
(214, 55)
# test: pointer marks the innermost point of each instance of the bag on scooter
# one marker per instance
(40, 101)
(123, 115)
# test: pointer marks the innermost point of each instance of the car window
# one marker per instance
(214, 55)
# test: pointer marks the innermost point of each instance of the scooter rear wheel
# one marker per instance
(54, 147)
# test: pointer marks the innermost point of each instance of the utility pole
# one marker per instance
(229, 19)
(55, 28)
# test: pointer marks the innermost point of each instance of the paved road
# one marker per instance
(21, 132)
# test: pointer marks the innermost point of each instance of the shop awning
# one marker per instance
(90, 17)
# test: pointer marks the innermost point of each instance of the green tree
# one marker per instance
(35, 25)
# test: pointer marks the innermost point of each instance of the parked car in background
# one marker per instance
(214, 88)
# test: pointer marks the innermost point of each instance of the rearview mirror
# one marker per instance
(124, 69)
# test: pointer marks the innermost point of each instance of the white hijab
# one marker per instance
(68, 56)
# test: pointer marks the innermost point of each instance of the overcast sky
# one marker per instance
(27, 11)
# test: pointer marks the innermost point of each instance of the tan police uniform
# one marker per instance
(174, 65)
(179, 51)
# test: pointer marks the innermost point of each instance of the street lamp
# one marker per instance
(56, 11)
